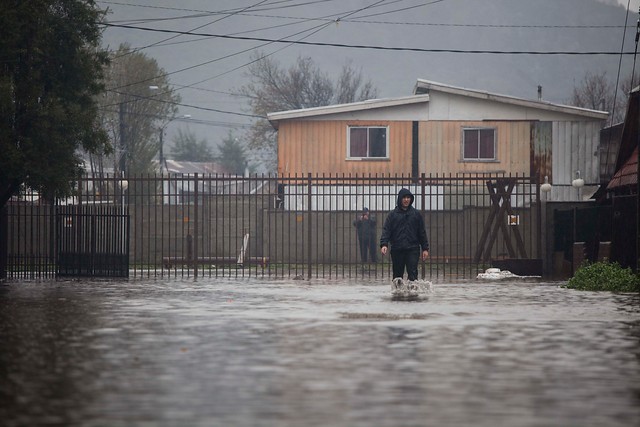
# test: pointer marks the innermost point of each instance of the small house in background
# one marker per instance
(181, 188)
(445, 130)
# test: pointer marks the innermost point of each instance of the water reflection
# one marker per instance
(291, 353)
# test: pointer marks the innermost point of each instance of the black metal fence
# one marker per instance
(300, 226)
(92, 241)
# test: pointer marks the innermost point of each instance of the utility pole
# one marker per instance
(637, 128)
(123, 146)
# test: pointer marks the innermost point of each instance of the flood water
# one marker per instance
(268, 352)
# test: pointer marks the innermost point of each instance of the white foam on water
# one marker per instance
(497, 274)
(410, 289)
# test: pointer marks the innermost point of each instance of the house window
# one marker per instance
(479, 144)
(367, 142)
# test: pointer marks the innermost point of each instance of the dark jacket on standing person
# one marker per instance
(365, 226)
(404, 228)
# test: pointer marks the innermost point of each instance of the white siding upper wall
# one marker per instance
(575, 148)
(447, 106)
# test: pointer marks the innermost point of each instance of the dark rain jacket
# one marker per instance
(404, 228)
(366, 227)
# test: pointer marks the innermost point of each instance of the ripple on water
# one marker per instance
(320, 352)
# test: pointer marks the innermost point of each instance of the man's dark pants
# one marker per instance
(408, 258)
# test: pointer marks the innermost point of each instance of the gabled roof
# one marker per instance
(369, 104)
(425, 86)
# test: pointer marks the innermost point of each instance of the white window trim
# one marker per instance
(479, 159)
(349, 157)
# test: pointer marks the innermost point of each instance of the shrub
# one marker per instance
(604, 276)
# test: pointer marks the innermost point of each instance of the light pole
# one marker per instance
(161, 159)
(545, 188)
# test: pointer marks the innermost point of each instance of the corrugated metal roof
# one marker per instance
(627, 161)
(627, 174)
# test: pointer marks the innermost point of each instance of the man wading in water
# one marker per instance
(404, 230)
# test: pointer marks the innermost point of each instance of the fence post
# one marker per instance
(423, 209)
(309, 231)
(4, 232)
(195, 226)
(540, 253)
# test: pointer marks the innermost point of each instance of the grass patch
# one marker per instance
(604, 276)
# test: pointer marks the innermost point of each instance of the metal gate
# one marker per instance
(92, 241)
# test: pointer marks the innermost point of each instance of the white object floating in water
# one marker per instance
(497, 274)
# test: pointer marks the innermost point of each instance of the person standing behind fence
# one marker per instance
(365, 225)
(404, 230)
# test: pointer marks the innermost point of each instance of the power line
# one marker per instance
(314, 29)
(196, 28)
(204, 13)
(371, 47)
(187, 120)
(154, 98)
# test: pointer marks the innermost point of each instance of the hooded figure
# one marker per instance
(365, 225)
(405, 232)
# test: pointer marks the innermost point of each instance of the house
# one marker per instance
(622, 190)
(187, 179)
(443, 129)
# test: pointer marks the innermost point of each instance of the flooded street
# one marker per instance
(267, 352)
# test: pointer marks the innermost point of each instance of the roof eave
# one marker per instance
(426, 85)
(370, 104)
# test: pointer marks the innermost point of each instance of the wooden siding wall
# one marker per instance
(441, 148)
(523, 147)
(320, 147)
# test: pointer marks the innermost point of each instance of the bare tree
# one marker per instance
(303, 85)
(351, 87)
(597, 92)
(138, 102)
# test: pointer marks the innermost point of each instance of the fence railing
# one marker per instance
(300, 226)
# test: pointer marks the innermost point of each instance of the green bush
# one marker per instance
(604, 276)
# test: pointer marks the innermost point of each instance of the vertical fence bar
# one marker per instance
(308, 225)
(299, 225)
(196, 235)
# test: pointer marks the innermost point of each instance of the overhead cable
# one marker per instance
(371, 47)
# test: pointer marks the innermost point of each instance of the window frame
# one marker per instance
(368, 148)
(479, 129)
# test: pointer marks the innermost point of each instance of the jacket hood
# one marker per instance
(404, 192)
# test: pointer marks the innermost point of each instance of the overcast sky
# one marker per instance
(208, 68)
(635, 4)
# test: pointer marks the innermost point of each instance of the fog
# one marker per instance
(393, 43)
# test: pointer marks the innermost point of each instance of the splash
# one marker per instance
(410, 289)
